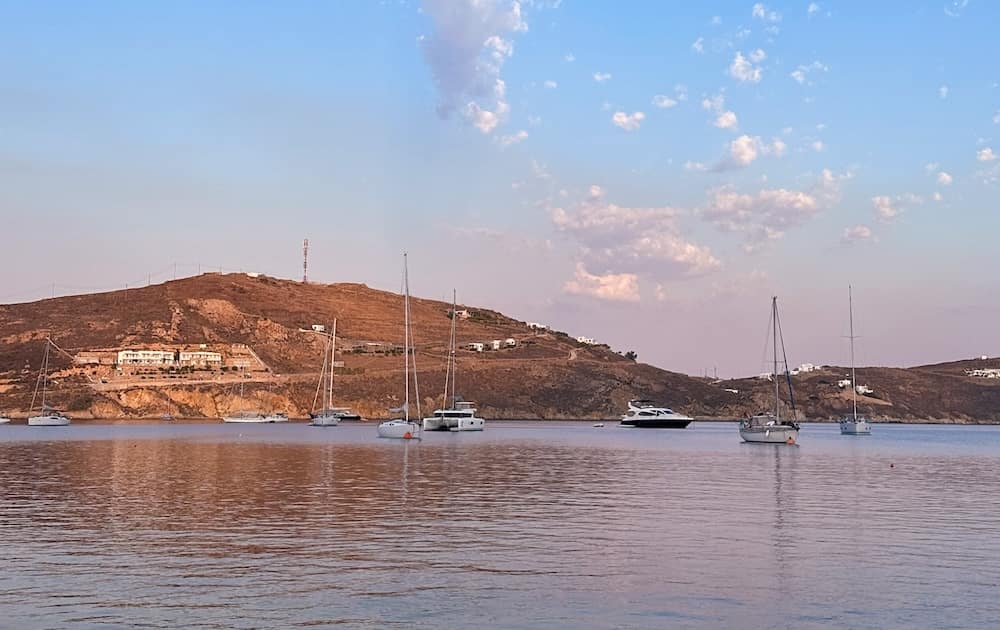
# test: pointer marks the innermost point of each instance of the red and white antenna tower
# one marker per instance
(305, 261)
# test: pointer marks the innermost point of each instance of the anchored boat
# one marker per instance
(644, 414)
(770, 427)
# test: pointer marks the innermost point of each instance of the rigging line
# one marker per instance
(767, 338)
(784, 357)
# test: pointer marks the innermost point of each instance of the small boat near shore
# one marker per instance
(854, 424)
(461, 415)
(48, 417)
(253, 417)
(327, 416)
(644, 414)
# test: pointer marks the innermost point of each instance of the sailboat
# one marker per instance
(403, 427)
(770, 427)
(854, 425)
(47, 417)
(328, 416)
(460, 416)
(253, 417)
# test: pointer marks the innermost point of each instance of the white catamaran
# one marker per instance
(47, 417)
(771, 427)
(328, 416)
(405, 428)
(460, 416)
(853, 424)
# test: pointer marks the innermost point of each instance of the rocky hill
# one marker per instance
(545, 374)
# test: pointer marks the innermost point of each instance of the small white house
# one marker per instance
(537, 326)
(764, 376)
(476, 346)
(319, 328)
(587, 340)
(462, 314)
(864, 390)
(510, 342)
(845, 382)
(496, 344)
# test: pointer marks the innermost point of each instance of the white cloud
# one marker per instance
(937, 196)
(856, 234)
(716, 103)
(943, 91)
(743, 150)
(954, 8)
(550, 84)
(716, 20)
(802, 72)
(885, 208)
(742, 70)
(626, 243)
(986, 155)
(664, 102)
(761, 12)
(818, 146)
(621, 287)
(761, 217)
(930, 167)
(944, 179)
(778, 147)
(758, 55)
(520, 136)
(699, 45)
(628, 122)
(681, 91)
(569, 58)
(813, 9)
(466, 53)
(601, 77)
(726, 120)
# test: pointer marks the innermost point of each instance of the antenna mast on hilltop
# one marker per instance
(305, 260)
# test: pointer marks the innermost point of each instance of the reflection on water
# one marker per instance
(521, 526)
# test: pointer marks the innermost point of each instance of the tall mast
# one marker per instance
(854, 383)
(45, 373)
(333, 354)
(774, 374)
(454, 359)
(406, 338)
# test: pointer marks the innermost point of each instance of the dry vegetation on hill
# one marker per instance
(548, 375)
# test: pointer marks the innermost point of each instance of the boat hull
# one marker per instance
(855, 427)
(271, 419)
(325, 420)
(398, 429)
(657, 423)
(778, 434)
(4, 420)
(454, 424)
(48, 421)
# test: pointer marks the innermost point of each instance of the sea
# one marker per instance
(525, 525)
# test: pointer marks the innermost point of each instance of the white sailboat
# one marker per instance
(853, 424)
(405, 428)
(47, 417)
(768, 427)
(253, 417)
(328, 416)
(460, 416)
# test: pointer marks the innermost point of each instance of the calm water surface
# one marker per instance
(523, 526)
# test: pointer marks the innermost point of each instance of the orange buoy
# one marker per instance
(790, 440)
(407, 436)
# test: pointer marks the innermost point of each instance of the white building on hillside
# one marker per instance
(537, 326)
(201, 358)
(145, 357)
(510, 342)
(496, 344)
(587, 340)
(475, 346)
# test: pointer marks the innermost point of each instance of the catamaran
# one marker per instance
(853, 424)
(253, 417)
(405, 428)
(771, 427)
(328, 416)
(47, 417)
(460, 416)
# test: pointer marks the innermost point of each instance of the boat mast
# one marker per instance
(854, 383)
(454, 359)
(406, 339)
(333, 353)
(774, 374)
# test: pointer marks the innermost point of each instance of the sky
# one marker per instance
(648, 174)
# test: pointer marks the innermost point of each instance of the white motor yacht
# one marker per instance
(461, 417)
(646, 415)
